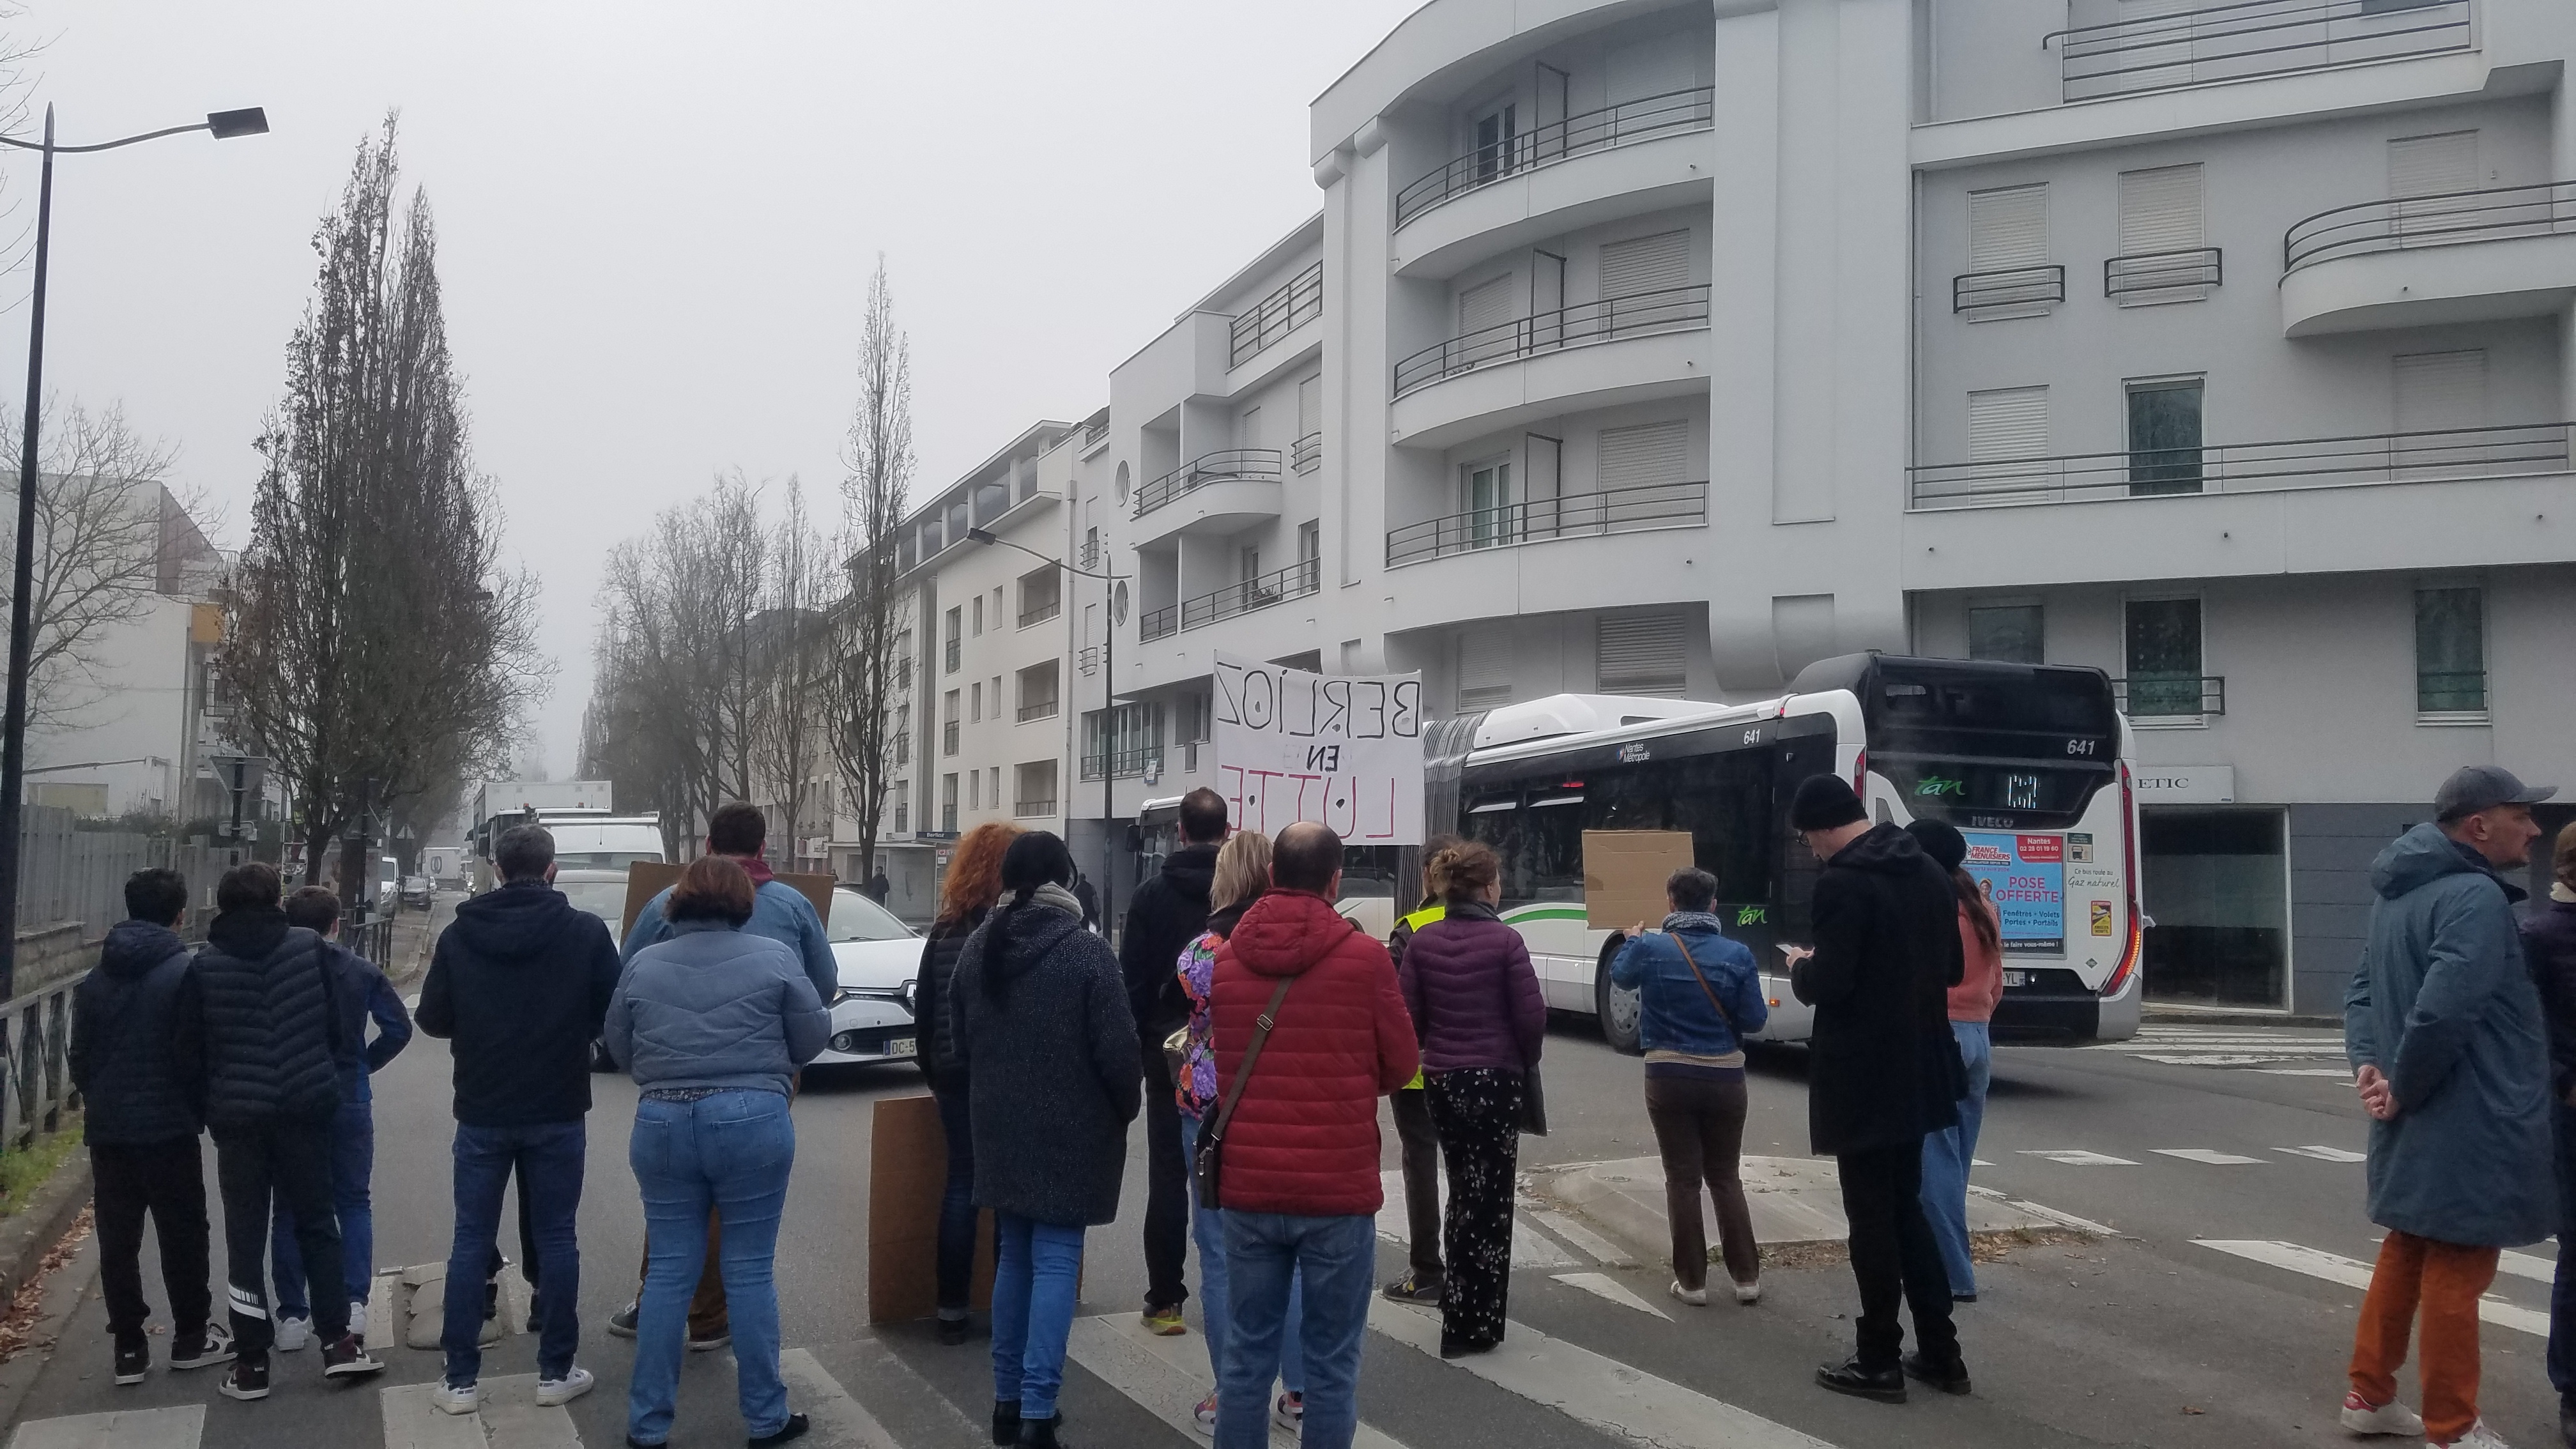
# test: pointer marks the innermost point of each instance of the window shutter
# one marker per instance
(1646, 264)
(1310, 406)
(1484, 670)
(1639, 456)
(2009, 422)
(1639, 654)
(2160, 210)
(1488, 305)
(2008, 228)
(2432, 165)
(2441, 390)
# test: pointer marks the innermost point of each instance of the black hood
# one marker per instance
(1191, 870)
(248, 935)
(1015, 941)
(519, 922)
(1883, 848)
(134, 947)
(1223, 918)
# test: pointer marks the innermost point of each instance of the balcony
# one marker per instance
(1279, 585)
(1122, 764)
(1640, 314)
(1033, 809)
(1624, 124)
(1036, 709)
(2358, 461)
(1298, 302)
(1306, 454)
(2009, 291)
(2152, 277)
(1220, 492)
(2245, 39)
(2169, 697)
(1087, 659)
(1580, 515)
(2464, 256)
(1039, 613)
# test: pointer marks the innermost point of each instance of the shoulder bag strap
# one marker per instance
(1260, 1034)
(1703, 982)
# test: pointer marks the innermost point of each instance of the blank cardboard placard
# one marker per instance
(907, 1172)
(646, 879)
(1624, 873)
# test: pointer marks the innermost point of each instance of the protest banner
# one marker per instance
(1343, 750)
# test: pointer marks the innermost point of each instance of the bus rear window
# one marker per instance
(1943, 788)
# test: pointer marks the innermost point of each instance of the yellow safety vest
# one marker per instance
(1417, 921)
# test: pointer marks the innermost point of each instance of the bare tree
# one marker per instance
(792, 668)
(861, 698)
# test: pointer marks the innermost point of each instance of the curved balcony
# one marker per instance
(2419, 261)
(1624, 349)
(1624, 124)
(1216, 492)
(1276, 587)
(1674, 309)
(1546, 520)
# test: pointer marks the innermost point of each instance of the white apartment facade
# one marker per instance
(1664, 348)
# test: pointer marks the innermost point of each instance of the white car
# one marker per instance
(880, 962)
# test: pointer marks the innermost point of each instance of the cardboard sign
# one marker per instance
(646, 879)
(1624, 873)
(1344, 750)
(907, 1172)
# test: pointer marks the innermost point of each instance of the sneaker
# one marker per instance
(1289, 1412)
(348, 1359)
(575, 1383)
(247, 1379)
(2478, 1437)
(622, 1322)
(1695, 1297)
(710, 1343)
(1411, 1289)
(456, 1398)
(2361, 1416)
(1205, 1414)
(133, 1358)
(1748, 1294)
(292, 1334)
(204, 1348)
(1164, 1322)
(788, 1432)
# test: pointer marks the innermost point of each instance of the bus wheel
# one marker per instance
(1616, 1007)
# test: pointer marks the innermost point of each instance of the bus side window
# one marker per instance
(1495, 820)
(1724, 801)
(1793, 760)
(1551, 850)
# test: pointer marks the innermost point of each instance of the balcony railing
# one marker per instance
(2246, 38)
(2143, 277)
(1298, 301)
(1307, 453)
(2170, 696)
(1037, 709)
(1028, 808)
(1160, 623)
(2449, 219)
(1578, 515)
(1041, 612)
(2450, 691)
(1293, 582)
(2357, 461)
(1087, 658)
(1639, 314)
(1120, 764)
(1627, 122)
(2008, 287)
(1258, 465)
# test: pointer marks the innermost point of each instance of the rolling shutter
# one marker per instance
(2009, 422)
(2160, 210)
(1484, 670)
(1639, 456)
(1640, 654)
(2008, 228)
(2441, 390)
(2432, 165)
(1488, 305)
(1647, 264)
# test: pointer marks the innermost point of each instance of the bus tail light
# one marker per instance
(1860, 774)
(2135, 946)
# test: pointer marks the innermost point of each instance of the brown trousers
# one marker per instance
(1699, 1129)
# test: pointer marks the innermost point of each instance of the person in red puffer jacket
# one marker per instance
(1300, 1187)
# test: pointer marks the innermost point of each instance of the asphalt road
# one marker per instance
(2148, 1338)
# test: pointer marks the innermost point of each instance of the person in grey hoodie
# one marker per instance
(712, 1023)
(2450, 1052)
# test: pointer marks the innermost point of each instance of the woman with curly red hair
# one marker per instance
(966, 896)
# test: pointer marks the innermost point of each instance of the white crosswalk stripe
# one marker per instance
(2325, 1154)
(174, 1428)
(2206, 1155)
(2271, 1051)
(839, 1420)
(2354, 1273)
(508, 1418)
(2077, 1157)
(2524, 1265)
(1602, 1285)
(1166, 1377)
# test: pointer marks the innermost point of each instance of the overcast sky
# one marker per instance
(656, 223)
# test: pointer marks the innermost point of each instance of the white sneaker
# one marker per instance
(1748, 1294)
(2360, 1416)
(1205, 1414)
(2478, 1437)
(1695, 1297)
(455, 1398)
(292, 1334)
(575, 1383)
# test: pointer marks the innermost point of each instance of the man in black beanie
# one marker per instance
(1881, 1073)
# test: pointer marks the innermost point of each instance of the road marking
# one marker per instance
(2063, 1220)
(174, 1428)
(2076, 1157)
(2325, 1154)
(413, 1422)
(839, 1421)
(2229, 1059)
(1601, 1248)
(2338, 1073)
(379, 1327)
(1534, 1249)
(2524, 1265)
(1628, 1404)
(2205, 1155)
(2353, 1273)
(1392, 1224)
(1602, 1285)
(1167, 1376)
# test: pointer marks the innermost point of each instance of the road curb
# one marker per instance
(28, 1235)
(2195, 1016)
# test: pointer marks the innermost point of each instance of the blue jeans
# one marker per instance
(1267, 1254)
(1207, 1229)
(1036, 1267)
(729, 1153)
(956, 1206)
(353, 1163)
(549, 1158)
(1947, 1153)
(2562, 1292)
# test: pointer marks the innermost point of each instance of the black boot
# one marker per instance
(2567, 1423)
(1040, 1433)
(1949, 1378)
(1006, 1421)
(1886, 1385)
(788, 1432)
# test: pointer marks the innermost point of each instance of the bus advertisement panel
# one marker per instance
(2025, 877)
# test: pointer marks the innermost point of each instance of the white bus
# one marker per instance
(2031, 762)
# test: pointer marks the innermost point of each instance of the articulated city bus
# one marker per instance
(2031, 762)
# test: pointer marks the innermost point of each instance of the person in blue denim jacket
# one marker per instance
(1698, 997)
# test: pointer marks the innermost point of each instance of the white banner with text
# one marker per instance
(1341, 749)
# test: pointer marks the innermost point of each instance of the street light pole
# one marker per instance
(22, 636)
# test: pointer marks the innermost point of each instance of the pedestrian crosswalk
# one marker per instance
(2202, 1156)
(2266, 1050)
(2354, 1273)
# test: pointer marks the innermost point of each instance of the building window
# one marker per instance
(1484, 670)
(994, 794)
(2163, 256)
(1310, 553)
(1640, 654)
(2450, 652)
(2006, 423)
(2008, 633)
(956, 638)
(1038, 691)
(2215, 886)
(2164, 437)
(1041, 596)
(948, 726)
(2164, 665)
(948, 804)
(974, 789)
(1489, 503)
(1033, 792)
(902, 814)
(979, 615)
(975, 701)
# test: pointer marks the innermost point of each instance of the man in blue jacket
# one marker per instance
(780, 912)
(2451, 1056)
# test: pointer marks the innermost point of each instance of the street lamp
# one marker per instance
(222, 125)
(1108, 701)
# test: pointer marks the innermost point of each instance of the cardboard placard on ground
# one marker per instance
(646, 879)
(907, 1172)
(1624, 873)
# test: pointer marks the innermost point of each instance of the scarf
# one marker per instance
(1057, 896)
(758, 868)
(1693, 921)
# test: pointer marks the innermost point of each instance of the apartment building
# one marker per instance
(1662, 349)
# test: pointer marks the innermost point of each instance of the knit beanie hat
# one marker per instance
(1940, 840)
(1824, 802)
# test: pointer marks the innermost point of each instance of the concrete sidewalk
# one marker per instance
(1794, 1201)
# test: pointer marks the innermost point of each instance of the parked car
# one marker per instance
(418, 890)
(880, 963)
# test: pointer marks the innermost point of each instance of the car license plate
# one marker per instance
(2016, 978)
(900, 1046)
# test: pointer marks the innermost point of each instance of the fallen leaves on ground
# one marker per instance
(18, 1325)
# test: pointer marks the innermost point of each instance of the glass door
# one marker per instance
(1497, 135)
(1489, 501)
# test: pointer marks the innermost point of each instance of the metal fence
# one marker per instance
(35, 1037)
(67, 874)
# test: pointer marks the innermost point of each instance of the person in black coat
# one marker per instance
(1881, 1073)
(268, 1012)
(138, 1062)
(1167, 914)
(2549, 942)
(966, 895)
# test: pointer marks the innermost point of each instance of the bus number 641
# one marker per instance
(2081, 747)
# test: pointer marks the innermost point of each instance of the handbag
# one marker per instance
(1207, 1166)
(1533, 1105)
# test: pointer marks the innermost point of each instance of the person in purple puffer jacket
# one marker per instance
(1481, 1020)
